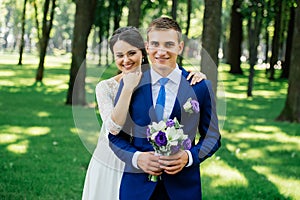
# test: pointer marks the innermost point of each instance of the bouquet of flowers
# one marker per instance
(167, 138)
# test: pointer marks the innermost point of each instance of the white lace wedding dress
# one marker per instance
(105, 170)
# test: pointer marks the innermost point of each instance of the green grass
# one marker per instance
(259, 157)
(43, 156)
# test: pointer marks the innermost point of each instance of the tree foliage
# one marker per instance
(263, 30)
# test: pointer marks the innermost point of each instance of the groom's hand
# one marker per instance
(148, 162)
(174, 163)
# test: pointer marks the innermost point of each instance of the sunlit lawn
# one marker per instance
(44, 144)
(259, 158)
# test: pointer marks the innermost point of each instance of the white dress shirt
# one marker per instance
(171, 88)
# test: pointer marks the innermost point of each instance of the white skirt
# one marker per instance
(104, 174)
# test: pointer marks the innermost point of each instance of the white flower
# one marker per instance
(153, 135)
(188, 106)
(172, 133)
(157, 126)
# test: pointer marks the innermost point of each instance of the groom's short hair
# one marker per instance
(165, 23)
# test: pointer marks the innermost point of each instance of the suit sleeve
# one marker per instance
(210, 137)
(121, 143)
(121, 146)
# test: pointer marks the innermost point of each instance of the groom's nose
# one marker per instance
(161, 50)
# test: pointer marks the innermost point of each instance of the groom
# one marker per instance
(179, 174)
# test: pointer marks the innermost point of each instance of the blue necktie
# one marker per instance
(161, 98)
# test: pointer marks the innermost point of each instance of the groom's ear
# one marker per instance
(181, 45)
(147, 46)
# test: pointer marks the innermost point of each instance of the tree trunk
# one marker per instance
(267, 38)
(187, 29)
(100, 35)
(134, 13)
(22, 34)
(289, 40)
(107, 28)
(252, 56)
(36, 20)
(118, 8)
(101, 20)
(174, 9)
(254, 28)
(235, 40)
(291, 110)
(47, 26)
(188, 21)
(276, 40)
(211, 40)
(84, 17)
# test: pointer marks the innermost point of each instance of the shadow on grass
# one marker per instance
(258, 185)
(260, 155)
(41, 157)
(53, 162)
(267, 164)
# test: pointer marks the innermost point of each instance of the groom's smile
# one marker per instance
(161, 60)
(163, 48)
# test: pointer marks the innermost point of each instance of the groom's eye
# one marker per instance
(169, 44)
(154, 44)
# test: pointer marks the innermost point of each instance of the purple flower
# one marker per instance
(187, 144)
(148, 133)
(195, 106)
(170, 123)
(161, 139)
(175, 149)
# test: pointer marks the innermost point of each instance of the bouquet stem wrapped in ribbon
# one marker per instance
(167, 138)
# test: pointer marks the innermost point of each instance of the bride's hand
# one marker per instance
(196, 77)
(132, 79)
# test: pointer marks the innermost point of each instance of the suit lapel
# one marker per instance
(185, 91)
(182, 95)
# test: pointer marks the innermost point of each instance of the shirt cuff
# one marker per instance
(190, 158)
(134, 159)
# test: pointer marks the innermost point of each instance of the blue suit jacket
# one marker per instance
(185, 184)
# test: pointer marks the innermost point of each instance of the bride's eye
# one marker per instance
(119, 56)
(131, 53)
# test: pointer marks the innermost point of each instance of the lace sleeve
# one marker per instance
(105, 94)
